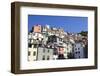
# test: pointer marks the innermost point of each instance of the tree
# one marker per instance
(84, 33)
(70, 56)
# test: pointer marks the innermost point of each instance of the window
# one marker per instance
(40, 45)
(34, 53)
(43, 57)
(37, 38)
(60, 43)
(48, 58)
(75, 48)
(79, 52)
(42, 39)
(50, 46)
(35, 45)
(30, 45)
(48, 51)
(28, 53)
(78, 48)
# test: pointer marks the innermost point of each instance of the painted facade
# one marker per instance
(78, 50)
(45, 53)
(32, 53)
(37, 28)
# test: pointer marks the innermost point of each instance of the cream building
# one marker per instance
(32, 53)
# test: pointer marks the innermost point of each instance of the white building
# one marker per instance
(32, 53)
(68, 48)
(78, 50)
(55, 57)
(45, 53)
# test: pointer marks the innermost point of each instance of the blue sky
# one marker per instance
(68, 23)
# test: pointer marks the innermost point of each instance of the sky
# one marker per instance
(70, 24)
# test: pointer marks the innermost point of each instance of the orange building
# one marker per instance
(37, 28)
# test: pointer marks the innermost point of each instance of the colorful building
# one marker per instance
(45, 43)
(37, 28)
(45, 53)
(78, 50)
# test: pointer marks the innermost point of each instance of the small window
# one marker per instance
(79, 52)
(78, 48)
(34, 53)
(35, 45)
(51, 46)
(48, 51)
(40, 45)
(48, 58)
(29, 45)
(43, 57)
(28, 53)
(75, 48)
(42, 39)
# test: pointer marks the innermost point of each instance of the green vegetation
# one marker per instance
(84, 33)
